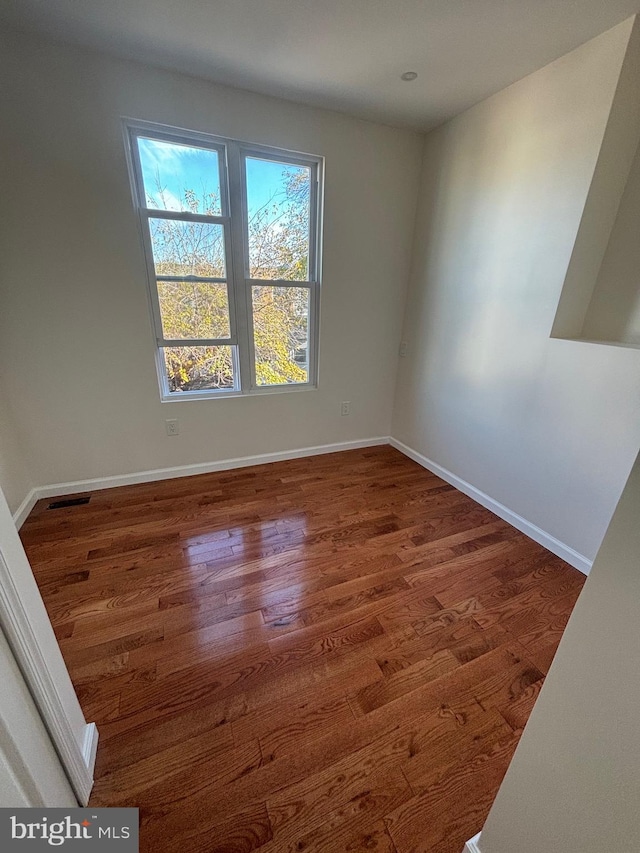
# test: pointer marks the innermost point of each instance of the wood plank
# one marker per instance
(336, 654)
(248, 829)
(403, 681)
(213, 755)
(278, 729)
(433, 821)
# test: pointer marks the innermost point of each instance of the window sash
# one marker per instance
(184, 216)
(147, 130)
(287, 160)
(153, 289)
(198, 394)
(312, 331)
(233, 193)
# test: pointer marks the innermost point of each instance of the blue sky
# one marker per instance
(181, 167)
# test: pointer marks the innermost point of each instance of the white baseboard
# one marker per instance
(22, 513)
(56, 489)
(534, 532)
(545, 539)
(473, 845)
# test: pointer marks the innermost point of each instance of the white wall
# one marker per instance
(76, 347)
(615, 160)
(548, 428)
(574, 782)
(614, 311)
(15, 478)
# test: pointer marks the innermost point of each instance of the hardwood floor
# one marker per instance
(327, 654)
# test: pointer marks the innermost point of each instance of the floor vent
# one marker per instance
(69, 502)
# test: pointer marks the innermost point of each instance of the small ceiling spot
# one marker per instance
(409, 75)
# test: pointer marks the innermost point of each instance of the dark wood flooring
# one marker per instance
(328, 654)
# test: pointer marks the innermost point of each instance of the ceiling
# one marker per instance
(345, 55)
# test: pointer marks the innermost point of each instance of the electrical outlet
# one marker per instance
(172, 426)
(345, 408)
(404, 346)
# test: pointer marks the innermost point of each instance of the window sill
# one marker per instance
(187, 396)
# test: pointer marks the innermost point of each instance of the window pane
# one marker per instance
(188, 248)
(280, 331)
(278, 198)
(198, 368)
(180, 177)
(194, 309)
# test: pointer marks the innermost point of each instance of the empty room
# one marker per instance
(319, 425)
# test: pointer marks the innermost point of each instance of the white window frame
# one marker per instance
(232, 155)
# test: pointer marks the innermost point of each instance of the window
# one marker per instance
(231, 239)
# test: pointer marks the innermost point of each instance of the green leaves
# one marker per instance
(278, 235)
